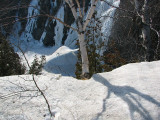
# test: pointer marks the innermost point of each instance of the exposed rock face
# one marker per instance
(49, 7)
(8, 12)
(33, 25)
(126, 30)
(39, 27)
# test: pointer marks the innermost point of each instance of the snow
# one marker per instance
(59, 27)
(105, 13)
(31, 23)
(23, 39)
(26, 36)
(130, 92)
(72, 37)
(107, 17)
(62, 61)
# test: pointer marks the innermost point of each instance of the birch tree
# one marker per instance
(81, 19)
(82, 23)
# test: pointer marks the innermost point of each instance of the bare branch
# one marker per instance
(44, 15)
(79, 7)
(14, 8)
(158, 34)
(83, 8)
(53, 17)
(15, 93)
(91, 11)
(33, 78)
(73, 9)
(25, 18)
(119, 8)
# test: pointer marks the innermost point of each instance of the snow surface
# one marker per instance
(62, 61)
(130, 92)
(58, 59)
(106, 14)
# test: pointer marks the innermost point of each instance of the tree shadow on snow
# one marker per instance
(62, 64)
(125, 93)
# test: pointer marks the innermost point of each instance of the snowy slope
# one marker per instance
(130, 92)
(62, 61)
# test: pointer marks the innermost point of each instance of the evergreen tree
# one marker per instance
(10, 63)
(37, 65)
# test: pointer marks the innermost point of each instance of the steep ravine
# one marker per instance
(50, 32)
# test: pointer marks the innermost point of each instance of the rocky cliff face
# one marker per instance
(127, 31)
(32, 25)
(41, 28)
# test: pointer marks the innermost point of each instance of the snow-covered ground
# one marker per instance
(131, 92)
(58, 59)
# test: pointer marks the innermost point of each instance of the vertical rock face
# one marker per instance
(36, 25)
(50, 32)
(127, 30)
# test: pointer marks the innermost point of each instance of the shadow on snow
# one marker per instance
(62, 64)
(125, 93)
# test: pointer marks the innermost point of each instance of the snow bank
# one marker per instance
(62, 61)
(130, 92)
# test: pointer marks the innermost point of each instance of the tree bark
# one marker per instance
(143, 12)
(146, 30)
(90, 13)
(81, 28)
(83, 48)
(84, 56)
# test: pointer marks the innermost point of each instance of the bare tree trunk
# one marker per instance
(143, 12)
(84, 56)
(83, 48)
(81, 28)
(146, 29)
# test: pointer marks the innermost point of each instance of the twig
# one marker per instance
(14, 94)
(33, 78)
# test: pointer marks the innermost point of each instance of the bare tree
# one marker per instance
(142, 9)
(82, 23)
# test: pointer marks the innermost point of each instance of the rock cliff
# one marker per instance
(31, 24)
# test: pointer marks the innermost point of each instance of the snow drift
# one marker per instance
(130, 92)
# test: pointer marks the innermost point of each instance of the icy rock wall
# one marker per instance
(50, 32)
